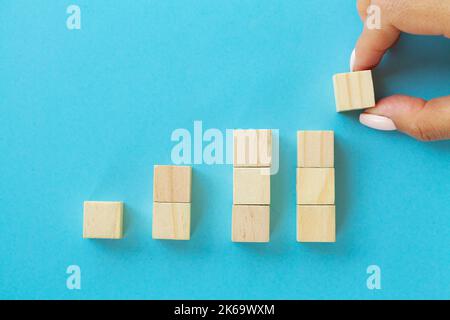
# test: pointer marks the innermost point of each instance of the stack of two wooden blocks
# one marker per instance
(172, 202)
(251, 185)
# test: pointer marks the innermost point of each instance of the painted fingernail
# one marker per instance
(352, 60)
(377, 122)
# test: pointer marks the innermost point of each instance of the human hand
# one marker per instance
(424, 120)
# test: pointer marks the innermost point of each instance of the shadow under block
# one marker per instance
(315, 185)
(316, 223)
(252, 148)
(315, 149)
(354, 90)
(103, 220)
(250, 223)
(171, 221)
(172, 183)
(251, 186)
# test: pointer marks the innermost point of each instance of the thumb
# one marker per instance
(421, 119)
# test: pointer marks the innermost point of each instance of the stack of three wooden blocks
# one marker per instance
(316, 210)
(252, 160)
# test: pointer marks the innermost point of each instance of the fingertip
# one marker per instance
(404, 112)
(372, 46)
(397, 106)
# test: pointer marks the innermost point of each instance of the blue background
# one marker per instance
(86, 114)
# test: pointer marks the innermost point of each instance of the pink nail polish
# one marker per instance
(377, 122)
(352, 60)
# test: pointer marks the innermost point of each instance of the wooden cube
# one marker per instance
(315, 149)
(316, 223)
(250, 223)
(171, 221)
(172, 183)
(354, 91)
(103, 219)
(252, 148)
(251, 186)
(315, 185)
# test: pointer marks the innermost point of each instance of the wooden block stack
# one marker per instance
(251, 185)
(103, 220)
(354, 90)
(172, 202)
(316, 214)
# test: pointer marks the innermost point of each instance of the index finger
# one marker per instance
(384, 20)
(372, 45)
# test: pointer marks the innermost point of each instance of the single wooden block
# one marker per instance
(252, 148)
(315, 185)
(250, 223)
(316, 223)
(103, 219)
(315, 149)
(172, 183)
(354, 91)
(171, 221)
(251, 186)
